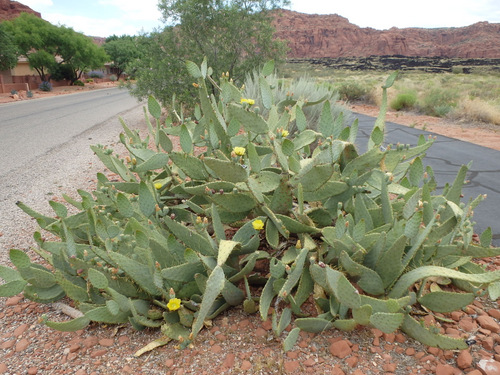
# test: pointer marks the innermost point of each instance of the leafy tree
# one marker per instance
(8, 51)
(36, 40)
(79, 52)
(234, 35)
(160, 72)
(47, 47)
(122, 50)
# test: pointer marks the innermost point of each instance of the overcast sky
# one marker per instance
(108, 17)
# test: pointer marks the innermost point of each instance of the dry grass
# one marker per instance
(477, 110)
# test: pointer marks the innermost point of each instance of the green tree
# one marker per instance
(235, 36)
(78, 52)
(159, 71)
(48, 47)
(122, 50)
(8, 50)
(36, 40)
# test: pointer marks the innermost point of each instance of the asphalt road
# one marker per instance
(30, 129)
(446, 156)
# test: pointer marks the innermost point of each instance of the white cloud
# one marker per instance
(34, 4)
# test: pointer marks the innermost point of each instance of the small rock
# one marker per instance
(8, 344)
(489, 367)
(169, 362)
(260, 332)
(3, 368)
(495, 313)
(444, 369)
(123, 340)
(98, 353)
(21, 329)
(340, 349)
(32, 371)
(106, 342)
(22, 345)
(246, 365)
(487, 322)
(12, 301)
(467, 324)
(216, 349)
(229, 361)
(352, 361)
(90, 341)
(291, 366)
(464, 359)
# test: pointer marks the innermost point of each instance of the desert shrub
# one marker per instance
(113, 77)
(304, 89)
(457, 69)
(79, 83)
(89, 80)
(352, 91)
(477, 110)
(45, 86)
(95, 74)
(366, 235)
(29, 94)
(404, 101)
(438, 102)
(14, 92)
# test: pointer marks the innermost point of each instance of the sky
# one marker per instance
(107, 17)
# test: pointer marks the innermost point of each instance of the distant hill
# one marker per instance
(11, 9)
(315, 36)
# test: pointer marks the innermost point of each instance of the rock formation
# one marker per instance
(314, 36)
(11, 9)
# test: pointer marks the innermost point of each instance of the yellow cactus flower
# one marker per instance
(258, 224)
(240, 151)
(158, 185)
(174, 304)
(284, 133)
(247, 101)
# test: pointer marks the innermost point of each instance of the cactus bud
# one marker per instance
(134, 161)
(321, 264)
(198, 220)
(221, 191)
(205, 220)
(195, 85)
(172, 216)
(157, 208)
(298, 245)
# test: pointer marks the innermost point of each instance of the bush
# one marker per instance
(45, 86)
(29, 94)
(13, 92)
(366, 235)
(352, 91)
(95, 74)
(79, 83)
(89, 80)
(439, 102)
(113, 78)
(404, 101)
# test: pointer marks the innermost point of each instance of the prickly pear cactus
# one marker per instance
(364, 235)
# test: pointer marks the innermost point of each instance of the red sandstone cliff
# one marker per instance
(315, 35)
(11, 9)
